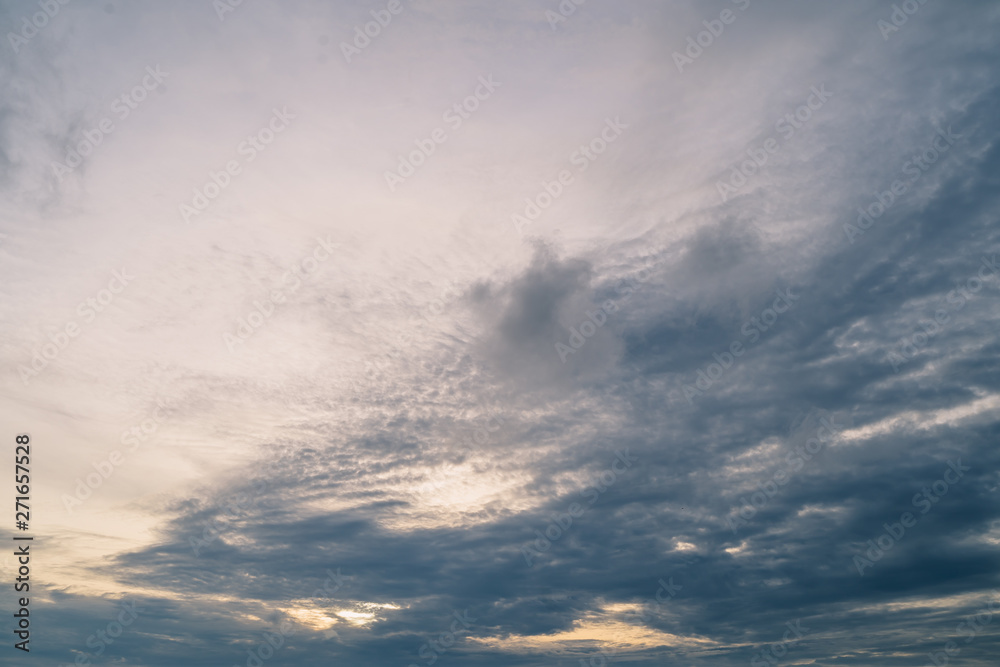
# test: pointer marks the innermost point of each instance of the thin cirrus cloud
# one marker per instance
(359, 388)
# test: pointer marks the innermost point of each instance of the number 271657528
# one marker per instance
(22, 454)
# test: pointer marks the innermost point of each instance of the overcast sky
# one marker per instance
(503, 333)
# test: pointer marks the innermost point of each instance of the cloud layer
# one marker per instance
(715, 386)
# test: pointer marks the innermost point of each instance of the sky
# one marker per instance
(534, 333)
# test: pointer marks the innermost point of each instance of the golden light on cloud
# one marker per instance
(356, 617)
(735, 551)
(312, 618)
(310, 615)
(598, 630)
(462, 494)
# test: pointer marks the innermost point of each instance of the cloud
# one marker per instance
(406, 415)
